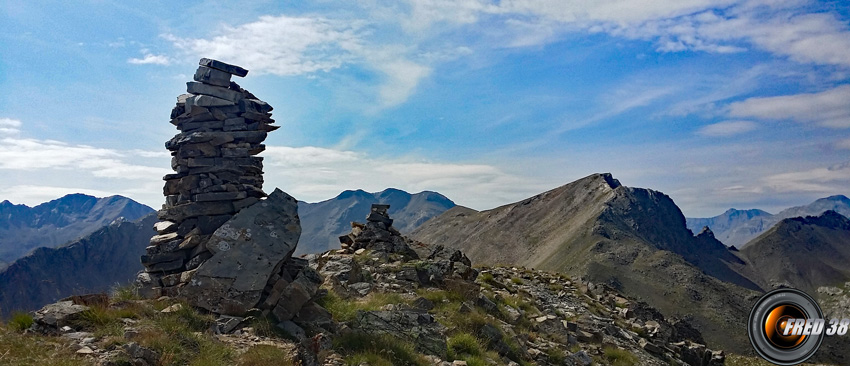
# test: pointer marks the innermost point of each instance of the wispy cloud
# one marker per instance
(843, 144)
(284, 45)
(825, 180)
(279, 45)
(150, 59)
(31, 155)
(9, 126)
(829, 108)
(727, 128)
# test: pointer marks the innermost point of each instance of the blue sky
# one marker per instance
(733, 103)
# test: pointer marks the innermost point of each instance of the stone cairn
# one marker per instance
(220, 245)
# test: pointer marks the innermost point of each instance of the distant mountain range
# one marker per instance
(738, 227)
(60, 221)
(323, 222)
(632, 239)
(109, 252)
(103, 259)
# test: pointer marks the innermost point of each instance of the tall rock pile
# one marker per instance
(222, 127)
(221, 245)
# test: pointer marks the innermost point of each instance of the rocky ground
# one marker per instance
(393, 301)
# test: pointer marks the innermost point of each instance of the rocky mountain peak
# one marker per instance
(837, 198)
(829, 219)
(352, 193)
(610, 180)
(706, 232)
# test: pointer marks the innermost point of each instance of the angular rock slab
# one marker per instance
(246, 251)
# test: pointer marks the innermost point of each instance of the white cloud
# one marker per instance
(150, 59)
(786, 28)
(314, 174)
(843, 144)
(284, 45)
(402, 78)
(9, 126)
(279, 45)
(826, 180)
(829, 108)
(727, 128)
(31, 155)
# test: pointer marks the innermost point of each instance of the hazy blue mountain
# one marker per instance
(107, 257)
(59, 221)
(738, 227)
(323, 222)
(735, 227)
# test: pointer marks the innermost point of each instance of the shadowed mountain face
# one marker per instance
(105, 258)
(738, 227)
(804, 253)
(632, 239)
(323, 222)
(60, 221)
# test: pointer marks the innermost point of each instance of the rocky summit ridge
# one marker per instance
(385, 299)
(632, 239)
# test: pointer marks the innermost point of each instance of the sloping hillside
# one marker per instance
(803, 252)
(632, 239)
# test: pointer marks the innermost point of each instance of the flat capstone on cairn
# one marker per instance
(222, 244)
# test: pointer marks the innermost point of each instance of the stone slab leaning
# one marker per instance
(246, 251)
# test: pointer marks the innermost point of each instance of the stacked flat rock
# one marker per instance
(378, 234)
(222, 127)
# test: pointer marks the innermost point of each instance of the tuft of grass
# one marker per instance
(20, 321)
(488, 278)
(262, 355)
(516, 281)
(442, 299)
(464, 345)
(124, 293)
(344, 310)
(213, 353)
(377, 350)
(556, 356)
(371, 359)
(266, 327)
(29, 349)
(619, 357)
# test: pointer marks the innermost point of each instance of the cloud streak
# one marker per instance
(727, 128)
(9, 126)
(150, 59)
(829, 108)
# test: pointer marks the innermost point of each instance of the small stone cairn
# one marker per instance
(222, 244)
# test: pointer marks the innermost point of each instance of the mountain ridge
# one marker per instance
(59, 221)
(738, 227)
(802, 252)
(323, 222)
(94, 263)
(632, 239)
